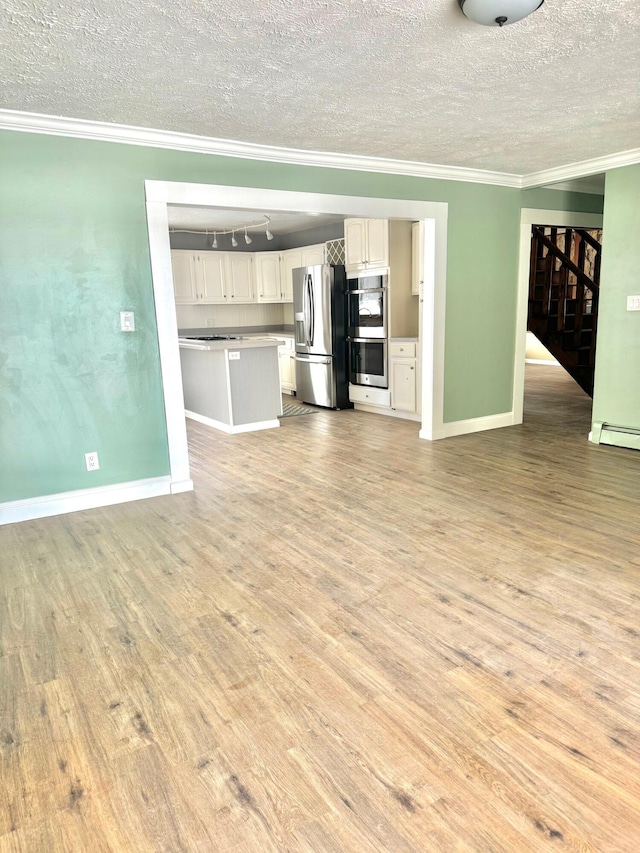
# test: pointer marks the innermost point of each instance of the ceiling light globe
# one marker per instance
(497, 13)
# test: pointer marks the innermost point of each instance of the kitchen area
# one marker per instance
(325, 308)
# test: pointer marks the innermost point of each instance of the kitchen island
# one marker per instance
(231, 384)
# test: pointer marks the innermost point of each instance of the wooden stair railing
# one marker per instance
(563, 297)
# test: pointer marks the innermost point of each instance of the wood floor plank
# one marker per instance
(345, 640)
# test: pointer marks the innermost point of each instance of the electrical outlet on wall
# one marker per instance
(91, 460)
(210, 322)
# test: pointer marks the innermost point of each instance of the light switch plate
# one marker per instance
(633, 303)
(234, 356)
(127, 321)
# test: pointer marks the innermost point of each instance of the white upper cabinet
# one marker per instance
(239, 286)
(377, 243)
(235, 277)
(366, 244)
(210, 277)
(313, 255)
(268, 284)
(290, 260)
(417, 257)
(184, 286)
(355, 243)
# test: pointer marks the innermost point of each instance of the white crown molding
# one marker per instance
(105, 132)
(582, 169)
(129, 135)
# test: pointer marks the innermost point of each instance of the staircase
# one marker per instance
(564, 285)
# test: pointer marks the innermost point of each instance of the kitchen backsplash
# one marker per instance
(233, 316)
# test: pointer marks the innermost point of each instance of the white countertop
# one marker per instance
(244, 343)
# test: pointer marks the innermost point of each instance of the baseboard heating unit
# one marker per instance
(618, 436)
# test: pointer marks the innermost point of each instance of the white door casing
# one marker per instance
(528, 217)
(161, 193)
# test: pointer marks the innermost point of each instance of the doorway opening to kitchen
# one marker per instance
(162, 196)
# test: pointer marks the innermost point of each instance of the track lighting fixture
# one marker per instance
(240, 227)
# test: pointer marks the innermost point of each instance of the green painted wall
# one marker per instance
(616, 398)
(74, 253)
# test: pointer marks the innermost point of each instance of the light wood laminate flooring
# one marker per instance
(346, 639)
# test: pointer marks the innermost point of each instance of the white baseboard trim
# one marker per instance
(64, 502)
(228, 428)
(389, 413)
(546, 361)
(449, 430)
(180, 486)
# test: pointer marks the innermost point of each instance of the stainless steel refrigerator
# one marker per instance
(319, 311)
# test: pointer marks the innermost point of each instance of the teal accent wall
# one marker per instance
(74, 253)
(616, 398)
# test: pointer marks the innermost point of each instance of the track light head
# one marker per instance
(247, 239)
(214, 242)
(234, 242)
(268, 234)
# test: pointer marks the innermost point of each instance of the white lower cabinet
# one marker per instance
(370, 396)
(287, 370)
(403, 372)
(403, 384)
(287, 359)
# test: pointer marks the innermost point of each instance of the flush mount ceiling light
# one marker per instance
(497, 13)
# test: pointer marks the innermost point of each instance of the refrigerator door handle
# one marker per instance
(311, 311)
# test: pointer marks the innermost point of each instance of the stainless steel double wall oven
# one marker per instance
(367, 302)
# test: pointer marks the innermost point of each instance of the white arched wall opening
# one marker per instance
(159, 194)
(529, 217)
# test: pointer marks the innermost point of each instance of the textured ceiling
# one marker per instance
(406, 79)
